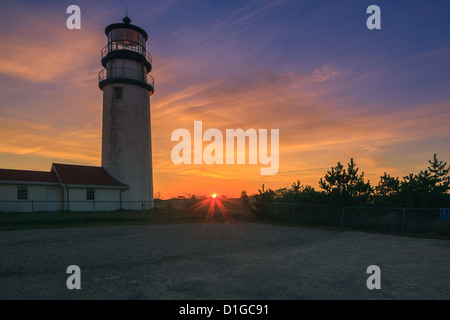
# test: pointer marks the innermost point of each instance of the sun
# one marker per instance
(214, 205)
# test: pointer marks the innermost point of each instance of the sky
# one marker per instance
(312, 69)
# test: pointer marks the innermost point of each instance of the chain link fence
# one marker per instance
(85, 205)
(209, 208)
(379, 219)
(23, 211)
(425, 221)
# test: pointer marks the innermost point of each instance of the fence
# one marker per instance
(209, 208)
(379, 219)
(385, 219)
(197, 207)
(9, 206)
(24, 212)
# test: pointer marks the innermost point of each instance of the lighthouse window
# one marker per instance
(134, 36)
(128, 34)
(22, 193)
(118, 93)
(112, 35)
(90, 194)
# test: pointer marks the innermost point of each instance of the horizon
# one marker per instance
(333, 88)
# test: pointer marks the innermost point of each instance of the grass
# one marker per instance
(49, 220)
(164, 213)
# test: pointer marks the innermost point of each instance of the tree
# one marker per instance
(296, 186)
(357, 188)
(346, 187)
(244, 196)
(440, 175)
(387, 186)
(429, 188)
(415, 189)
(334, 179)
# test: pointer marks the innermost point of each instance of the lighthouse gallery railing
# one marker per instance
(125, 73)
(133, 47)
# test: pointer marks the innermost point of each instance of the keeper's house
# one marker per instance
(66, 187)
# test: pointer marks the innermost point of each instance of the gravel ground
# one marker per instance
(220, 261)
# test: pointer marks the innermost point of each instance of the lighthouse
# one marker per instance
(126, 128)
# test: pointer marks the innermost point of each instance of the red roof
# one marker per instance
(84, 175)
(65, 174)
(28, 176)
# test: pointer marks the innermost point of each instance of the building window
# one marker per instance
(22, 193)
(90, 194)
(118, 93)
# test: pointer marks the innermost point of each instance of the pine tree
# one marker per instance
(346, 186)
(296, 186)
(334, 179)
(387, 186)
(440, 175)
(244, 196)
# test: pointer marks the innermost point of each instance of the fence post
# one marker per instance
(169, 206)
(293, 212)
(32, 210)
(143, 205)
(403, 220)
(342, 217)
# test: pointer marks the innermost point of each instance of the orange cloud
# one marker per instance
(27, 137)
(42, 50)
(63, 119)
(315, 131)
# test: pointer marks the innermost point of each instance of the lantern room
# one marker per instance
(126, 48)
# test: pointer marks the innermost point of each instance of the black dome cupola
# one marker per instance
(126, 20)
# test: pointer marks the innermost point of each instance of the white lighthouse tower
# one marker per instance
(126, 133)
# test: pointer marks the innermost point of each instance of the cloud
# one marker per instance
(316, 130)
(28, 137)
(230, 74)
(44, 50)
